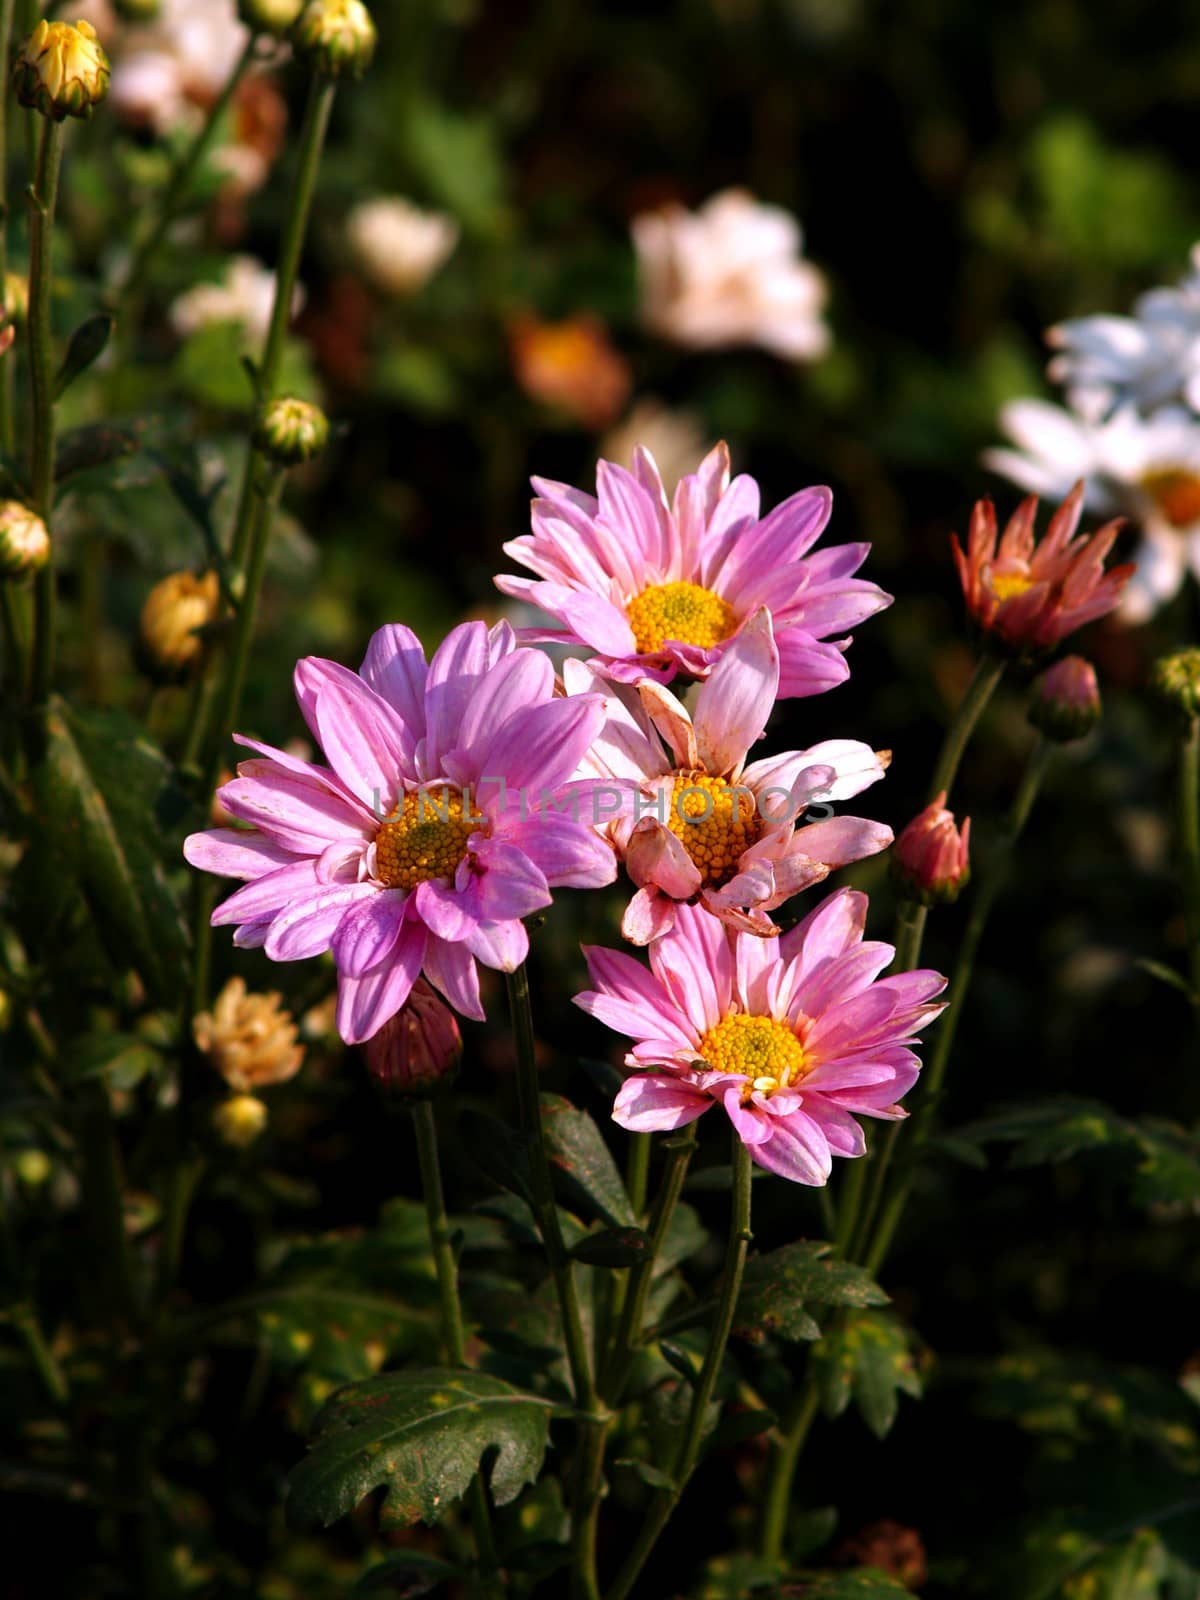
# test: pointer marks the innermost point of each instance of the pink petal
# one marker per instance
(306, 927)
(568, 854)
(654, 855)
(543, 747)
(368, 932)
(500, 945)
(267, 895)
(694, 964)
(630, 1000)
(365, 743)
(459, 662)
(834, 926)
(452, 971)
(781, 538)
(394, 666)
(507, 884)
(365, 1004)
(842, 1133)
(797, 1150)
(841, 840)
(517, 681)
(298, 813)
(648, 916)
(752, 1124)
(807, 667)
(653, 1103)
(672, 723)
(734, 704)
(234, 854)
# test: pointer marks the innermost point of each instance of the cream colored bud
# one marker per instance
(239, 1120)
(175, 608)
(270, 16)
(250, 1039)
(16, 297)
(336, 37)
(61, 70)
(1176, 679)
(24, 540)
(291, 431)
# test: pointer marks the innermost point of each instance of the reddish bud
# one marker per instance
(1065, 703)
(929, 859)
(418, 1050)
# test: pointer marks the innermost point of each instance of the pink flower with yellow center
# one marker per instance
(657, 588)
(1028, 595)
(430, 834)
(696, 823)
(795, 1037)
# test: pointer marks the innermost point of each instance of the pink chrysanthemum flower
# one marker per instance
(697, 823)
(794, 1036)
(429, 835)
(658, 588)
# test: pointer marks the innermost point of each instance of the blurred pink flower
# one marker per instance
(430, 834)
(730, 273)
(698, 823)
(793, 1037)
(931, 859)
(657, 589)
(1030, 596)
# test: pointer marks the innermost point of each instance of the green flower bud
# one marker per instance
(61, 70)
(336, 36)
(270, 16)
(138, 10)
(24, 541)
(1176, 679)
(291, 431)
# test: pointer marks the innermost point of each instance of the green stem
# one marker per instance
(42, 200)
(665, 1500)
(783, 1471)
(103, 1204)
(176, 189)
(637, 1171)
(881, 1232)
(588, 1490)
(25, 1320)
(6, 363)
(633, 1312)
(441, 1245)
(1189, 841)
(988, 672)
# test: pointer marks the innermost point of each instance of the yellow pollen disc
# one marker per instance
(1006, 585)
(764, 1052)
(715, 821)
(682, 611)
(426, 838)
(1176, 493)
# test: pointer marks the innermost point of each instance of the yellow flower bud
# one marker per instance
(61, 70)
(32, 1168)
(24, 540)
(239, 1120)
(291, 431)
(1176, 679)
(173, 611)
(336, 36)
(250, 1038)
(269, 16)
(16, 296)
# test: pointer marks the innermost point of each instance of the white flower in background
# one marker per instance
(1145, 468)
(167, 71)
(1149, 359)
(398, 246)
(244, 295)
(676, 440)
(730, 273)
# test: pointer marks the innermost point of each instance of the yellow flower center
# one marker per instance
(682, 611)
(716, 822)
(1007, 585)
(763, 1051)
(425, 838)
(1176, 493)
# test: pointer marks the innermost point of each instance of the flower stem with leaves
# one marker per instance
(43, 197)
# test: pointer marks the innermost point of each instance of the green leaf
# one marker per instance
(86, 344)
(499, 1151)
(612, 1247)
(122, 1060)
(422, 1436)
(867, 1358)
(100, 791)
(582, 1163)
(408, 1574)
(734, 1577)
(864, 1585)
(1169, 976)
(95, 445)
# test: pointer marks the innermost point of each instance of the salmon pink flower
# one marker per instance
(658, 588)
(431, 833)
(1027, 596)
(794, 1037)
(931, 861)
(698, 824)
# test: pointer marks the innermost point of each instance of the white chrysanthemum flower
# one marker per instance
(1145, 468)
(730, 273)
(398, 245)
(245, 295)
(1148, 360)
(166, 71)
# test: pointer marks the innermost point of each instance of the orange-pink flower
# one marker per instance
(930, 859)
(1030, 596)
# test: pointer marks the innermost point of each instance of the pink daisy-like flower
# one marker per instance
(430, 834)
(794, 1036)
(658, 588)
(697, 823)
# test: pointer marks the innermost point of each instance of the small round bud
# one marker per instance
(138, 10)
(417, 1051)
(61, 70)
(1176, 679)
(174, 610)
(250, 1039)
(291, 431)
(24, 540)
(270, 16)
(1065, 702)
(337, 37)
(239, 1120)
(32, 1167)
(16, 296)
(929, 860)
